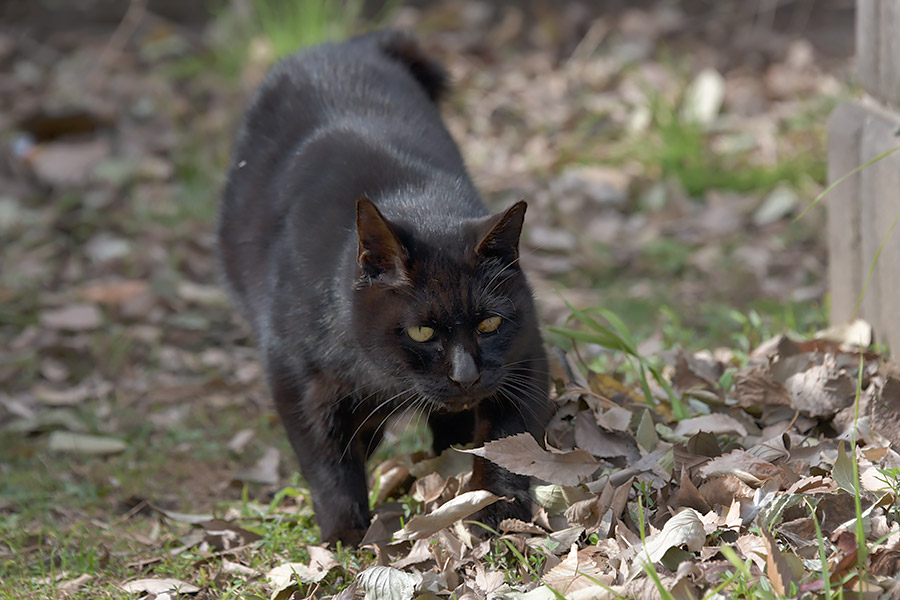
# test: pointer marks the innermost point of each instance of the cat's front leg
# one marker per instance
(498, 418)
(332, 460)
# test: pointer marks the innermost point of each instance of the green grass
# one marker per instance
(677, 148)
(271, 30)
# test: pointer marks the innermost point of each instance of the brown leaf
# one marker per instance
(113, 292)
(754, 387)
(776, 566)
(696, 371)
(885, 563)
(603, 444)
(429, 488)
(821, 390)
(722, 491)
(689, 495)
(886, 411)
(522, 455)
(577, 571)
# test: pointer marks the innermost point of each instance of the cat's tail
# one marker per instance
(405, 49)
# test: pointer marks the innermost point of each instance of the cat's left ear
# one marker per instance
(381, 255)
(501, 233)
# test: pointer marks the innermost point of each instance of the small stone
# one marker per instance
(103, 248)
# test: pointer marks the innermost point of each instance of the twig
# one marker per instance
(120, 37)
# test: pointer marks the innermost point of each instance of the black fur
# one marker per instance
(348, 217)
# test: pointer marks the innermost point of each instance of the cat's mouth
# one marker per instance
(464, 401)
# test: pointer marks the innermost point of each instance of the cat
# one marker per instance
(353, 241)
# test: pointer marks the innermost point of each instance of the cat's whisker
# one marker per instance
(400, 405)
(369, 416)
(515, 403)
(511, 393)
(527, 382)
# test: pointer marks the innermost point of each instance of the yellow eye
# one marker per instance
(421, 333)
(489, 325)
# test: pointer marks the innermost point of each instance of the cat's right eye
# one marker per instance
(420, 333)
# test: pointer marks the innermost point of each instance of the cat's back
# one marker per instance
(328, 125)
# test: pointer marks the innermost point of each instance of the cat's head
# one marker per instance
(446, 317)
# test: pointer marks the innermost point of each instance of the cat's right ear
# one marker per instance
(381, 256)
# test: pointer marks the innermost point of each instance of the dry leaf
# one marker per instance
(577, 571)
(264, 471)
(754, 388)
(159, 585)
(743, 465)
(714, 423)
(821, 390)
(113, 292)
(603, 444)
(684, 529)
(464, 505)
(385, 583)
(75, 317)
(82, 443)
(777, 567)
(522, 455)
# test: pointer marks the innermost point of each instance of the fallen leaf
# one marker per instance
(754, 388)
(646, 435)
(683, 529)
(821, 390)
(776, 566)
(464, 505)
(113, 292)
(703, 98)
(82, 443)
(522, 455)
(160, 585)
(842, 473)
(73, 585)
(239, 440)
(743, 465)
(714, 423)
(603, 444)
(386, 583)
(577, 571)
(264, 471)
(75, 317)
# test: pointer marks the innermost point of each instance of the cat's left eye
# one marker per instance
(489, 325)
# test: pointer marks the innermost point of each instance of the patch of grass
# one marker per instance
(271, 29)
(674, 147)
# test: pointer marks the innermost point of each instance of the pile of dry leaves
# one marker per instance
(630, 501)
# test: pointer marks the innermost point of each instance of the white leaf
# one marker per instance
(81, 443)
(386, 583)
(421, 526)
(160, 585)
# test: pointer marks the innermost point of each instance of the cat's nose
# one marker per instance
(463, 370)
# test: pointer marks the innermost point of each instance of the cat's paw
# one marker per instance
(350, 537)
(491, 516)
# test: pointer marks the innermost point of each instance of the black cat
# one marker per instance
(357, 247)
